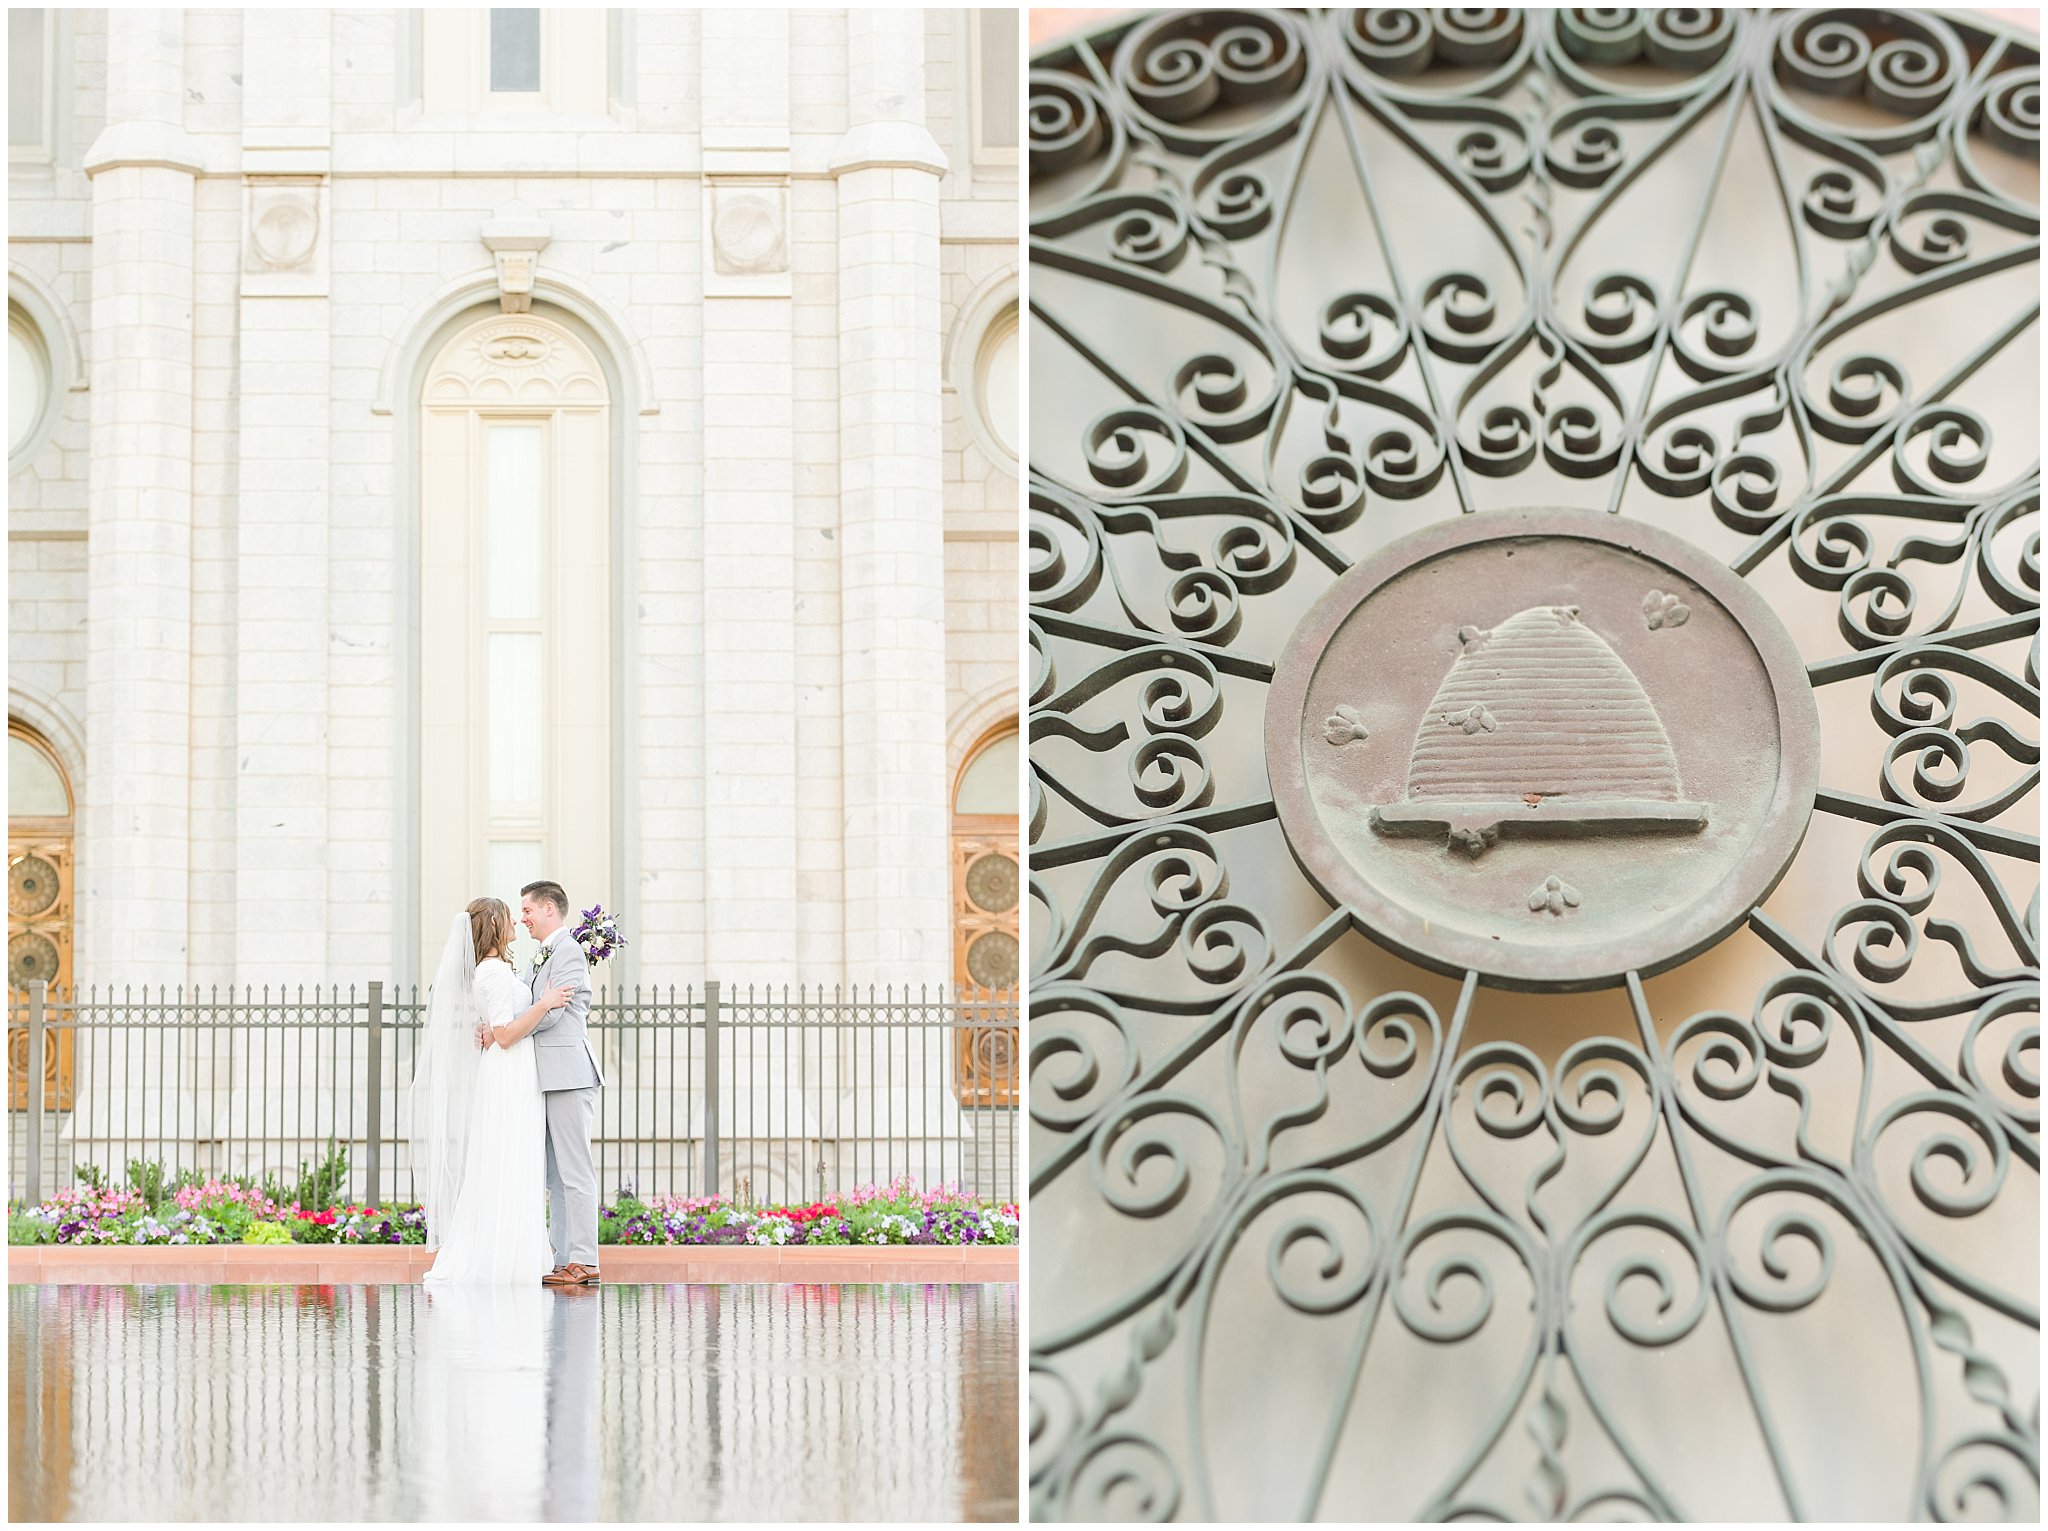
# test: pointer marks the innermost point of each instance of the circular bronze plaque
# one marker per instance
(992, 883)
(1552, 746)
(31, 886)
(31, 955)
(992, 959)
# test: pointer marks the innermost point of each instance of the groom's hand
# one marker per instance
(485, 1035)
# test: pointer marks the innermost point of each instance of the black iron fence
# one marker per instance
(769, 1095)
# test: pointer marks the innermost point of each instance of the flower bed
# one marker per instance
(229, 1212)
(898, 1213)
(217, 1212)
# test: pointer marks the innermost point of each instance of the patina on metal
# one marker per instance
(1738, 312)
(1549, 747)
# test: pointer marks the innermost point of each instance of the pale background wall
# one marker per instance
(405, 199)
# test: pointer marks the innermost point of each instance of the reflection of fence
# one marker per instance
(784, 1095)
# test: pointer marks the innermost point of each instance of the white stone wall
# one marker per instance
(983, 597)
(46, 609)
(406, 199)
(216, 395)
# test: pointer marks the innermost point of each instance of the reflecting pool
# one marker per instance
(810, 1403)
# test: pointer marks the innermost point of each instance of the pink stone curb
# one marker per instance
(321, 1264)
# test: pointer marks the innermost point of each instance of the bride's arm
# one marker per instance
(516, 1029)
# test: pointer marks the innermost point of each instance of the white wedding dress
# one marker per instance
(493, 1221)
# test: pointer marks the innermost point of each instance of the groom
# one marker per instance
(569, 1081)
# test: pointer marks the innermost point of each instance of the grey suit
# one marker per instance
(569, 1080)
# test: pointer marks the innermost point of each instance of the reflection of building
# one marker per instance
(448, 447)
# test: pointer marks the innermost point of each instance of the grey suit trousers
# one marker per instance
(572, 1177)
(575, 1470)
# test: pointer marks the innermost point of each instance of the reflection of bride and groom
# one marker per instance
(507, 1392)
(503, 1099)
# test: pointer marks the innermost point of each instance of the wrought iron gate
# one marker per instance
(1535, 760)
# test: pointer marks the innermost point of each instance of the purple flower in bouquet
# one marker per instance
(598, 933)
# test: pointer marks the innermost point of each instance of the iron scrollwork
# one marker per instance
(1331, 1236)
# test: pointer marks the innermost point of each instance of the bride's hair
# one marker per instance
(490, 927)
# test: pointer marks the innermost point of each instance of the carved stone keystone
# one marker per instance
(515, 236)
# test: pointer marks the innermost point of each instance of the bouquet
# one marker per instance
(598, 933)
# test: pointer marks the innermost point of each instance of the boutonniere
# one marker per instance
(540, 960)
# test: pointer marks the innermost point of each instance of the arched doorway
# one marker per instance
(515, 617)
(40, 905)
(986, 885)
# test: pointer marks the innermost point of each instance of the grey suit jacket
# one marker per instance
(562, 1051)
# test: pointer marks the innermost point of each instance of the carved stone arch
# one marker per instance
(516, 360)
(606, 355)
(975, 719)
(60, 731)
(46, 329)
(515, 740)
(39, 301)
(422, 335)
(989, 314)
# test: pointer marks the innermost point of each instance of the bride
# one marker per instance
(478, 1121)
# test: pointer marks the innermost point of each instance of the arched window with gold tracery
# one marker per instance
(39, 897)
(986, 885)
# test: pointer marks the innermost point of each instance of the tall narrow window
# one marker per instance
(515, 50)
(986, 889)
(28, 83)
(995, 87)
(506, 64)
(515, 689)
(39, 901)
(515, 683)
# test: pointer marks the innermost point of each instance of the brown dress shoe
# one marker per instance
(571, 1274)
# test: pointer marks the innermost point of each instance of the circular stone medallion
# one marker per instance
(1556, 747)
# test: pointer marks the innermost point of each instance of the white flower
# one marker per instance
(771, 1230)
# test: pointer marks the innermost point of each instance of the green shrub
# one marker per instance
(146, 1179)
(235, 1220)
(316, 1186)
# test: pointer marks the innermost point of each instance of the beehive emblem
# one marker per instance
(1539, 728)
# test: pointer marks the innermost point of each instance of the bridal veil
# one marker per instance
(444, 1080)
